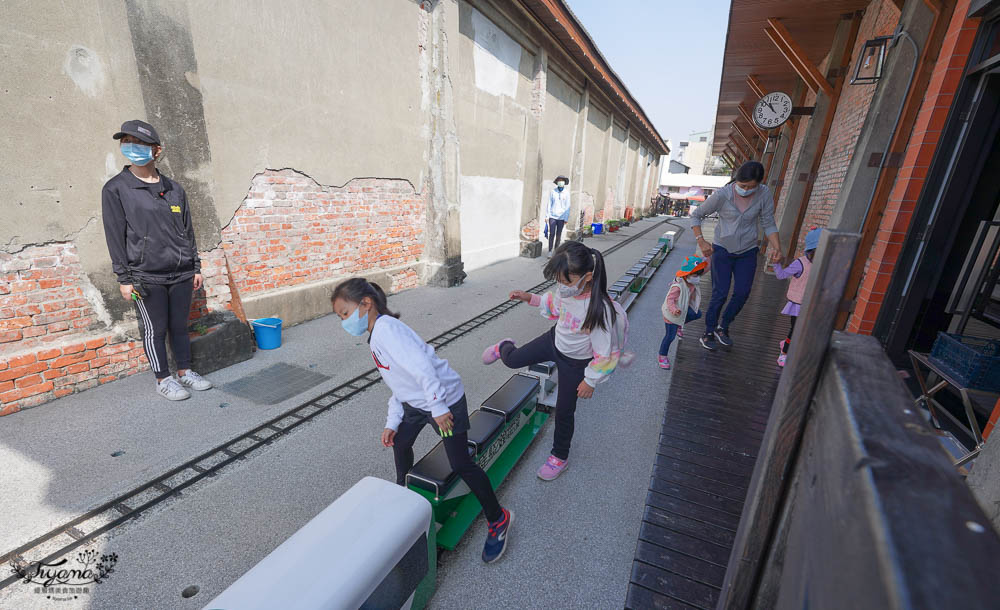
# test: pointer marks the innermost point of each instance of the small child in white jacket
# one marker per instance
(425, 390)
(683, 303)
(587, 343)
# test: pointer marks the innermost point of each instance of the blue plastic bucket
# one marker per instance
(598, 228)
(268, 332)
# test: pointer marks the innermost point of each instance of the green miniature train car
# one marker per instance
(500, 432)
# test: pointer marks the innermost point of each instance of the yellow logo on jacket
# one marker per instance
(175, 208)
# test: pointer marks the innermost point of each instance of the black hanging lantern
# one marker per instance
(871, 61)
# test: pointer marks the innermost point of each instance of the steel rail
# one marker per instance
(131, 504)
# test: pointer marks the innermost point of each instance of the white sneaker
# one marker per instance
(171, 389)
(195, 381)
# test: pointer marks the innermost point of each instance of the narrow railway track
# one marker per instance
(138, 501)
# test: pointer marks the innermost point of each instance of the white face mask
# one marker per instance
(742, 192)
(560, 184)
(568, 292)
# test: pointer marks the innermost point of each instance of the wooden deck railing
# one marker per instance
(853, 504)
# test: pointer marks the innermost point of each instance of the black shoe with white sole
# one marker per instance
(723, 336)
(708, 342)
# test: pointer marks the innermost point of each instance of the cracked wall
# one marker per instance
(445, 120)
(291, 230)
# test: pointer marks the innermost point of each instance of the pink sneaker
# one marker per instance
(552, 468)
(781, 359)
(492, 353)
(664, 362)
(680, 333)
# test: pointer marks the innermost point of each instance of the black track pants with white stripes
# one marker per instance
(166, 309)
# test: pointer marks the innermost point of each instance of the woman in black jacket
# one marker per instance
(147, 223)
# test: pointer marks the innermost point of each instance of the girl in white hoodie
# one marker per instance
(425, 390)
(587, 343)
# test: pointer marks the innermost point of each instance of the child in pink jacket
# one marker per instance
(798, 273)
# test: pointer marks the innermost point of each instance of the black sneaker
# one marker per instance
(723, 336)
(708, 342)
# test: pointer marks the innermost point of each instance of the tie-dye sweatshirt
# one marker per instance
(604, 348)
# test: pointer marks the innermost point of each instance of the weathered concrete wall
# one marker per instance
(595, 157)
(631, 169)
(615, 190)
(399, 140)
(493, 87)
(562, 107)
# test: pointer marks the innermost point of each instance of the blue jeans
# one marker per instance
(735, 269)
(672, 331)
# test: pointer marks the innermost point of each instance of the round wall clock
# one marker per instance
(772, 110)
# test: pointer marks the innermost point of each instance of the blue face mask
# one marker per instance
(354, 324)
(742, 192)
(139, 154)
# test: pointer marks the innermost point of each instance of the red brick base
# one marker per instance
(56, 338)
(910, 179)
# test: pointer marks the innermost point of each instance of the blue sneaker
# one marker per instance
(496, 541)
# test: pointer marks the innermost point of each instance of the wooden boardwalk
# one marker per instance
(714, 422)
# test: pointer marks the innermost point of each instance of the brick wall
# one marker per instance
(920, 151)
(880, 19)
(216, 294)
(54, 334)
(56, 338)
(290, 230)
(531, 231)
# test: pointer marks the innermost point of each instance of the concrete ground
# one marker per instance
(573, 540)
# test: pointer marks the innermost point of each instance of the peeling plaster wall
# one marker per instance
(494, 96)
(595, 159)
(436, 126)
(614, 191)
(631, 167)
(69, 77)
(331, 89)
(562, 107)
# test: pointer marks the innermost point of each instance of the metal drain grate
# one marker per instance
(274, 384)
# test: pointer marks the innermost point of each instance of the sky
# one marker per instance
(667, 52)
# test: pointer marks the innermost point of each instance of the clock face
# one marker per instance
(772, 110)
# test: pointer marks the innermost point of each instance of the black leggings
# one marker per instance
(166, 308)
(571, 373)
(791, 327)
(555, 232)
(457, 448)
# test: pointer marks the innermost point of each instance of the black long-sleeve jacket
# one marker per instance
(148, 229)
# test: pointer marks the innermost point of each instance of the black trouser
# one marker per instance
(571, 373)
(457, 448)
(791, 327)
(166, 308)
(555, 232)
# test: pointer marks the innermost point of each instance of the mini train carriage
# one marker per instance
(500, 431)
(399, 532)
(658, 253)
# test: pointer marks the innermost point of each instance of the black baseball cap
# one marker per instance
(142, 130)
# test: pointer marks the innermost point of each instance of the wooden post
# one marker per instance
(746, 151)
(784, 150)
(800, 62)
(784, 428)
(755, 86)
